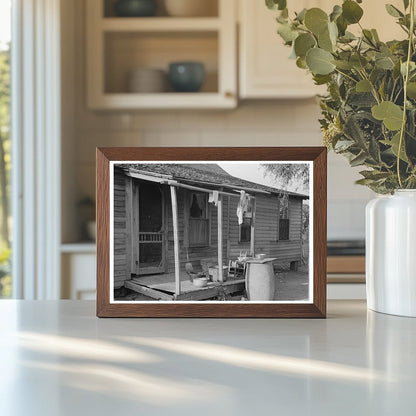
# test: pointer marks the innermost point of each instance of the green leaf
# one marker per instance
(358, 61)
(388, 112)
(344, 65)
(287, 33)
(342, 25)
(375, 35)
(303, 43)
(347, 37)
(325, 42)
(351, 11)
(316, 20)
(374, 150)
(354, 132)
(333, 32)
(320, 61)
(276, 4)
(393, 11)
(321, 79)
(384, 62)
(368, 36)
(358, 160)
(301, 15)
(301, 63)
(343, 145)
(374, 175)
(394, 143)
(406, 4)
(365, 182)
(411, 90)
(363, 86)
(382, 89)
(336, 12)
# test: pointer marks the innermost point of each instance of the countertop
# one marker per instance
(57, 358)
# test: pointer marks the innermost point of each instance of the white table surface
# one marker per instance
(57, 358)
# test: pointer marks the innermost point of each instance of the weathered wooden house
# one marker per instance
(167, 215)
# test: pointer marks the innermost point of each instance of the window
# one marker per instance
(5, 147)
(283, 218)
(245, 227)
(198, 220)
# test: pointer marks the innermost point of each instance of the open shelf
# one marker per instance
(160, 24)
(119, 45)
(168, 100)
(127, 51)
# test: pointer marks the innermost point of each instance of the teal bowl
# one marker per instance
(186, 76)
(135, 8)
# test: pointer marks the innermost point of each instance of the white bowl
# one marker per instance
(147, 80)
(200, 281)
(191, 8)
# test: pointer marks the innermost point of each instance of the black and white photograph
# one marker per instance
(211, 231)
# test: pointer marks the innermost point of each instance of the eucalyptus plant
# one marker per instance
(369, 111)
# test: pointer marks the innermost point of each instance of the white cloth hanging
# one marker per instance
(242, 207)
(213, 197)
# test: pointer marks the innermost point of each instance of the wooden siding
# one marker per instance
(121, 272)
(265, 235)
(295, 219)
(266, 230)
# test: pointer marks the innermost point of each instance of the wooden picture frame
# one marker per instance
(129, 162)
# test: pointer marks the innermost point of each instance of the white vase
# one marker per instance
(391, 253)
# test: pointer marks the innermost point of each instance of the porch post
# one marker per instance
(253, 224)
(175, 239)
(219, 206)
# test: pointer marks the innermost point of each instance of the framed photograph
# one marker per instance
(211, 232)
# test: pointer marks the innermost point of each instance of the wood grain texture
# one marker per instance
(346, 264)
(317, 309)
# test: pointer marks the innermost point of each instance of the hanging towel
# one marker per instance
(242, 206)
(213, 197)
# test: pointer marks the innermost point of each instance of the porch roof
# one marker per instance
(204, 175)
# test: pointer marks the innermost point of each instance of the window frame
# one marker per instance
(36, 149)
(240, 241)
(281, 218)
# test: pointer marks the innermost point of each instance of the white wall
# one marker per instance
(256, 123)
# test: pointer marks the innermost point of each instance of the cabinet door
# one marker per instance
(78, 276)
(265, 68)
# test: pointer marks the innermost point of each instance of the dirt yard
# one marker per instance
(292, 285)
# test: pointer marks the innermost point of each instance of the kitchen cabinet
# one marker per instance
(78, 271)
(118, 45)
(265, 69)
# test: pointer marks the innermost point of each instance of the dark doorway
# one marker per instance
(149, 227)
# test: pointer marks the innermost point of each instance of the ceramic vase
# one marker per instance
(135, 8)
(186, 76)
(391, 253)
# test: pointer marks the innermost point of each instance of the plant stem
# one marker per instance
(346, 75)
(406, 80)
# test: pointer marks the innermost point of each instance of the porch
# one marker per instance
(162, 287)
